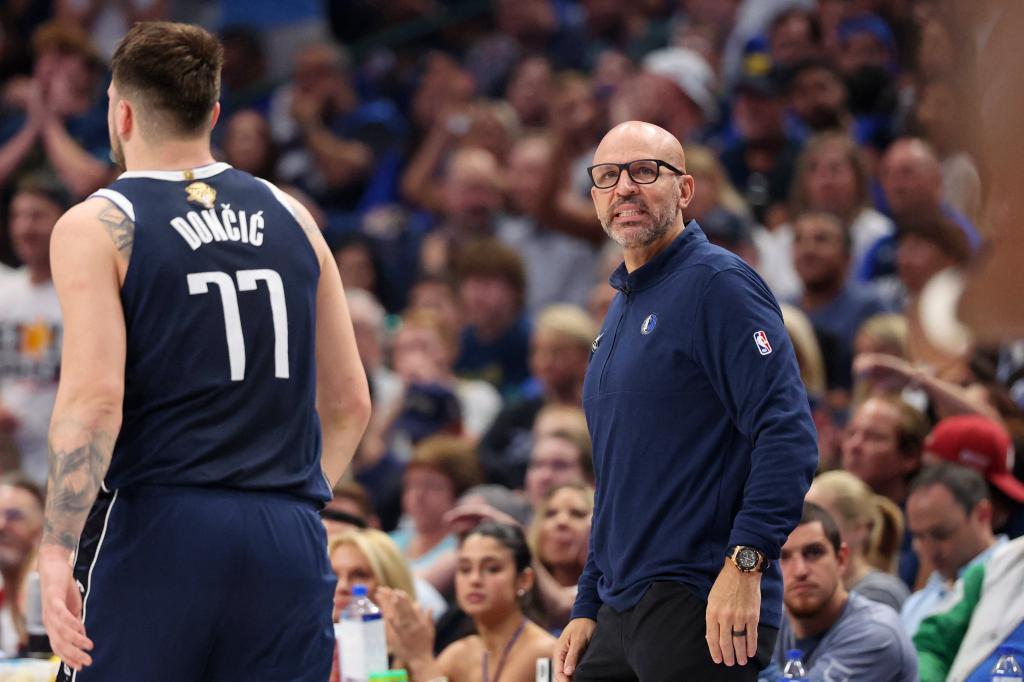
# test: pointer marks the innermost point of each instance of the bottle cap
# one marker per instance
(359, 590)
(1005, 650)
(399, 675)
(794, 655)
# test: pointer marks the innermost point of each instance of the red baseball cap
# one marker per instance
(981, 444)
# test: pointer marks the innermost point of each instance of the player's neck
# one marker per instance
(169, 156)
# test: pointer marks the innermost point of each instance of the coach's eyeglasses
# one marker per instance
(641, 171)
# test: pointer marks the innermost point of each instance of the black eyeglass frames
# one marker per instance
(641, 171)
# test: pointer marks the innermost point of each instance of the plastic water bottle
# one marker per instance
(361, 643)
(1007, 668)
(38, 645)
(794, 669)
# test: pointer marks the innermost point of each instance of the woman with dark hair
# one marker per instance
(491, 582)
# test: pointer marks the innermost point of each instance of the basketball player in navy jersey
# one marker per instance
(211, 394)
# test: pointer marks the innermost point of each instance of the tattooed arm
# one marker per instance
(88, 253)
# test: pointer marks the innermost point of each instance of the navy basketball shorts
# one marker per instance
(189, 584)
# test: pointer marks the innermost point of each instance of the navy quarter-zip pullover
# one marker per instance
(702, 433)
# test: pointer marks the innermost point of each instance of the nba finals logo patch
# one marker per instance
(202, 194)
(761, 339)
(650, 322)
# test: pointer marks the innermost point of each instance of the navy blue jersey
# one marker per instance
(220, 309)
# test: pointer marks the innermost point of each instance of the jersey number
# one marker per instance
(199, 283)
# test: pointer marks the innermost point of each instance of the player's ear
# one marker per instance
(215, 115)
(124, 118)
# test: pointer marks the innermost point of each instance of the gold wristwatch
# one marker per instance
(746, 559)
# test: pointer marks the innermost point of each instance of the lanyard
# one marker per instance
(504, 655)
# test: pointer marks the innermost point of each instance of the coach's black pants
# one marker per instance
(661, 639)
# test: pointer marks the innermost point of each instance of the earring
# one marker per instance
(520, 592)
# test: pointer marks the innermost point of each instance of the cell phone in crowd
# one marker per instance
(544, 670)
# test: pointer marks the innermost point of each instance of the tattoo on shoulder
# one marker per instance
(308, 226)
(120, 227)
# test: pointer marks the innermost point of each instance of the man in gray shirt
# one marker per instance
(843, 637)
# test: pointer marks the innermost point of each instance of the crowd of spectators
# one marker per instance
(442, 146)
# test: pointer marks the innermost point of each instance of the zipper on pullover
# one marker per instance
(627, 292)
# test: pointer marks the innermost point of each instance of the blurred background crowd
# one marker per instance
(442, 145)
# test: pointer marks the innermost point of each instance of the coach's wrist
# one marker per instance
(746, 559)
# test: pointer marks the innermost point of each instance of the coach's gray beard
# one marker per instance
(658, 227)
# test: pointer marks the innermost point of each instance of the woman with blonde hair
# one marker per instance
(713, 187)
(369, 557)
(811, 363)
(808, 351)
(884, 334)
(559, 537)
(872, 526)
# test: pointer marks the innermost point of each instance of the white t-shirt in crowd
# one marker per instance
(30, 339)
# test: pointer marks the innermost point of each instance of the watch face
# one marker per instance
(746, 559)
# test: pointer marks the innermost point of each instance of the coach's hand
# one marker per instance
(734, 608)
(570, 647)
(62, 607)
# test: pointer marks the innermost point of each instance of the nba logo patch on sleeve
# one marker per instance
(761, 339)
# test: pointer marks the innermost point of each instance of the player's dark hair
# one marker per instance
(173, 70)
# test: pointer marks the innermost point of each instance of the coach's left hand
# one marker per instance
(734, 608)
(62, 608)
